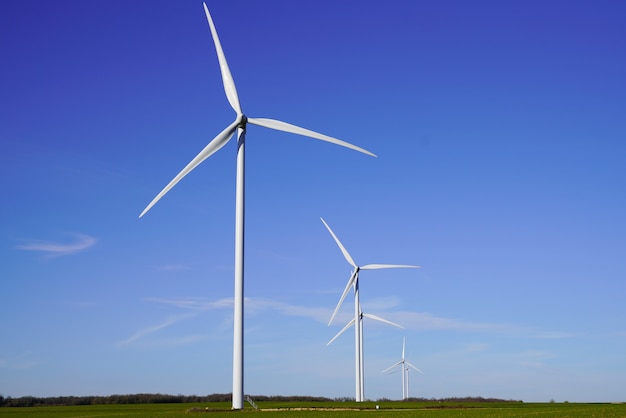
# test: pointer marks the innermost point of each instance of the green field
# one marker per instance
(328, 409)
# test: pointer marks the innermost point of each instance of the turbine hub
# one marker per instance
(243, 122)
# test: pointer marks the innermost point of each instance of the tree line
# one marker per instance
(139, 398)
(155, 398)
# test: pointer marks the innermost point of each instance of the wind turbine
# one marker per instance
(358, 318)
(239, 125)
(405, 365)
(360, 385)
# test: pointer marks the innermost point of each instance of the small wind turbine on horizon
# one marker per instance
(405, 365)
(239, 125)
(353, 282)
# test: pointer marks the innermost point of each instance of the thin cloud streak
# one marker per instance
(174, 267)
(253, 306)
(173, 342)
(424, 321)
(195, 304)
(555, 335)
(317, 314)
(23, 361)
(153, 329)
(54, 249)
(421, 321)
(427, 321)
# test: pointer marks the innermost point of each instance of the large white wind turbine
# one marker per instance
(353, 282)
(405, 365)
(239, 125)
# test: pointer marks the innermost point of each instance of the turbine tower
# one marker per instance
(405, 365)
(353, 282)
(239, 125)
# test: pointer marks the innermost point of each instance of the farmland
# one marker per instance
(327, 409)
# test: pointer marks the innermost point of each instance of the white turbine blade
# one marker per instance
(378, 318)
(410, 365)
(227, 78)
(343, 296)
(287, 127)
(403, 344)
(218, 142)
(348, 325)
(388, 266)
(341, 247)
(391, 367)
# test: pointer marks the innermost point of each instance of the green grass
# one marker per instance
(321, 410)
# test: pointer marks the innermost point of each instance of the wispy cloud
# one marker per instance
(174, 267)
(153, 329)
(315, 313)
(555, 335)
(195, 304)
(410, 320)
(55, 249)
(427, 321)
(23, 361)
(253, 306)
(179, 341)
(533, 358)
(192, 306)
(491, 360)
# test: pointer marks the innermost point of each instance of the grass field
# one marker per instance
(329, 409)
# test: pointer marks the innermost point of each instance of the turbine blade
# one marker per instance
(378, 318)
(227, 78)
(410, 365)
(388, 266)
(218, 142)
(343, 295)
(348, 325)
(403, 345)
(345, 252)
(287, 127)
(391, 367)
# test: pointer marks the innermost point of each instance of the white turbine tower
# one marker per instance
(358, 319)
(239, 125)
(405, 365)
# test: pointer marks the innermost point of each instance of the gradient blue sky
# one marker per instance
(500, 129)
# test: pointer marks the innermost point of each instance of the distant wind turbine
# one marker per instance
(360, 357)
(353, 282)
(239, 125)
(405, 365)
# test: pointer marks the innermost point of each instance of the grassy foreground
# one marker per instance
(328, 409)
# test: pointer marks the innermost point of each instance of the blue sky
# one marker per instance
(500, 132)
